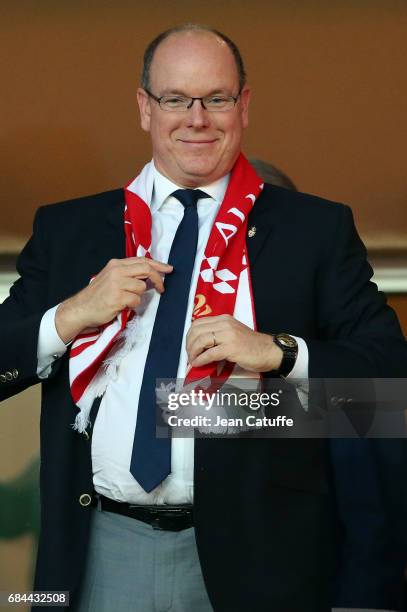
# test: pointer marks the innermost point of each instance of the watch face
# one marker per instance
(287, 341)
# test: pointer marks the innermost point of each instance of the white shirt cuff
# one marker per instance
(50, 347)
(300, 373)
(300, 369)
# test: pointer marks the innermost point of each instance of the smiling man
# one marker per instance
(198, 270)
(198, 147)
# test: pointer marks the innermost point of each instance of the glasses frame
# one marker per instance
(192, 100)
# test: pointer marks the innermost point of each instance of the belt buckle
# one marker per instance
(167, 523)
(157, 524)
(156, 520)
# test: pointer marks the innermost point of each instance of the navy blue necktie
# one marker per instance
(151, 456)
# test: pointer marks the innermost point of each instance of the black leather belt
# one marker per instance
(168, 518)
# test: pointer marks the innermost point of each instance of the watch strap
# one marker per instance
(289, 346)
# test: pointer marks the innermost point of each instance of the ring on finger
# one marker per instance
(214, 340)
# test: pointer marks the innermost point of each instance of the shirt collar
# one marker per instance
(163, 188)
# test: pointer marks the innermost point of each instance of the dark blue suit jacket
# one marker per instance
(370, 503)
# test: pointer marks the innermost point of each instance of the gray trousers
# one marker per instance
(132, 567)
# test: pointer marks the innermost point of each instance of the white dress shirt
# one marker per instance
(113, 435)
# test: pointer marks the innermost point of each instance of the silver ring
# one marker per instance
(214, 340)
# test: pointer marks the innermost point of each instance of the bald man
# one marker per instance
(196, 268)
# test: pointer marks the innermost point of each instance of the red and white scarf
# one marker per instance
(223, 284)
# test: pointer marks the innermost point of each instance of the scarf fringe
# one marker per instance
(108, 372)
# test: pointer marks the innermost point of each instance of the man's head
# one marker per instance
(195, 146)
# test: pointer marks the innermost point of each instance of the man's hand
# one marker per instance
(119, 285)
(235, 342)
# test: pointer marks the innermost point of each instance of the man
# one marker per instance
(261, 512)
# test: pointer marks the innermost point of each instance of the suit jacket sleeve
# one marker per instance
(21, 314)
(358, 333)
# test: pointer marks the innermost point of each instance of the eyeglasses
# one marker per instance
(182, 103)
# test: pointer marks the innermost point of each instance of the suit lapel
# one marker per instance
(110, 239)
(259, 227)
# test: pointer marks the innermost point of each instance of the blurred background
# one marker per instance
(328, 108)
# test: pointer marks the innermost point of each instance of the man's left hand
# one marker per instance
(223, 337)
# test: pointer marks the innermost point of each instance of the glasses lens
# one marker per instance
(218, 103)
(174, 103)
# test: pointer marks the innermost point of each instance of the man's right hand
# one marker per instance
(119, 285)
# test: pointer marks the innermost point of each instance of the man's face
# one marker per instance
(194, 147)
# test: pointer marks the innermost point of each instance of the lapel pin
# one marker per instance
(252, 231)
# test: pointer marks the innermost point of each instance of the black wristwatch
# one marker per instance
(289, 346)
